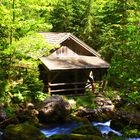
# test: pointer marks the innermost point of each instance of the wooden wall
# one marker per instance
(76, 47)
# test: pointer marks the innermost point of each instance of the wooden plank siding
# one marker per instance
(63, 52)
(75, 47)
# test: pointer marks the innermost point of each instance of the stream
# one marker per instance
(67, 127)
(60, 128)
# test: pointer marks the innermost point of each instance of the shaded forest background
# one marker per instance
(112, 27)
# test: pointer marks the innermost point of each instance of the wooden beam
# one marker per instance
(75, 79)
(63, 84)
(72, 89)
(49, 88)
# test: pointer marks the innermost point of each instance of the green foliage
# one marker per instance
(31, 46)
(131, 96)
(121, 46)
(131, 132)
(87, 130)
(80, 18)
(23, 82)
(87, 101)
(21, 17)
(23, 132)
(74, 137)
(28, 89)
(110, 26)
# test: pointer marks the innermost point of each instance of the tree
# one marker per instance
(79, 18)
(121, 43)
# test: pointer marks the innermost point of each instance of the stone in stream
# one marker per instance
(54, 109)
(22, 132)
(104, 110)
(123, 118)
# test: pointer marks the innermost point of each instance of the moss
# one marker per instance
(22, 132)
(113, 136)
(87, 101)
(87, 130)
(74, 137)
(78, 119)
(133, 133)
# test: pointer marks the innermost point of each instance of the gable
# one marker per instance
(63, 52)
(76, 47)
(61, 38)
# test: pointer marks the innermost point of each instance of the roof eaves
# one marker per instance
(84, 45)
(63, 39)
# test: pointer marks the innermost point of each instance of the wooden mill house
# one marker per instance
(72, 67)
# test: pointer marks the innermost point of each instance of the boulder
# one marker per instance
(74, 137)
(87, 130)
(104, 110)
(3, 115)
(22, 132)
(28, 113)
(99, 114)
(104, 103)
(54, 109)
(123, 118)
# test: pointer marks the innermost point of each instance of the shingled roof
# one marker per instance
(69, 62)
(78, 62)
(55, 39)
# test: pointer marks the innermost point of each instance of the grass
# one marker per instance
(87, 100)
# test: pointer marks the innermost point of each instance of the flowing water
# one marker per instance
(1, 133)
(61, 128)
(105, 127)
(67, 127)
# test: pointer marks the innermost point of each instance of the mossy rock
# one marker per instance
(74, 137)
(78, 119)
(113, 136)
(133, 133)
(22, 132)
(87, 130)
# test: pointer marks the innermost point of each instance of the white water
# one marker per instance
(66, 128)
(105, 127)
(63, 128)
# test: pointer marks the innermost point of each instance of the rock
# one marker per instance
(116, 98)
(74, 137)
(22, 132)
(30, 106)
(123, 118)
(28, 114)
(3, 115)
(87, 130)
(132, 132)
(72, 102)
(54, 109)
(78, 119)
(113, 136)
(105, 109)
(98, 114)
(100, 101)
